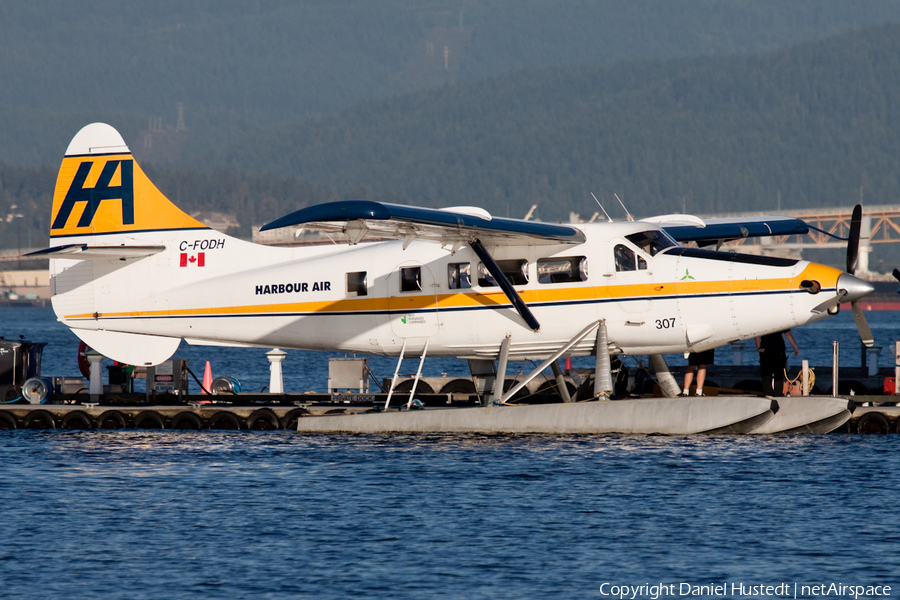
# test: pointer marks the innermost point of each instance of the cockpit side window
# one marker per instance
(625, 259)
(651, 241)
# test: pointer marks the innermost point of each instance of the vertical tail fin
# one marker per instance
(100, 190)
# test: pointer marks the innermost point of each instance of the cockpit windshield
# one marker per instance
(651, 241)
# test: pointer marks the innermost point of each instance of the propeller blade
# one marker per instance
(831, 302)
(865, 332)
(853, 239)
(896, 274)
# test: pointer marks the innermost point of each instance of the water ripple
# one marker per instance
(130, 514)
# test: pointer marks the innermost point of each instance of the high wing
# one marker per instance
(456, 225)
(711, 231)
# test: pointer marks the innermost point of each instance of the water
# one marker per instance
(170, 515)
(176, 515)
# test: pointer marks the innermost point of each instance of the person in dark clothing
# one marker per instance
(773, 360)
(697, 361)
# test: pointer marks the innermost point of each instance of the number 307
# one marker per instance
(665, 323)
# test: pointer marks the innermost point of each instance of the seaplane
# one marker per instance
(133, 275)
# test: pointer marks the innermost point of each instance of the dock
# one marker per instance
(364, 413)
(444, 404)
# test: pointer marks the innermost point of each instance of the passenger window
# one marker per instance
(516, 272)
(459, 276)
(356, 284)
(562, 270)
(411, 279)
(625, 259)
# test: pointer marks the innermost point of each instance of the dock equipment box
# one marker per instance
(348, 373)
(19, 360)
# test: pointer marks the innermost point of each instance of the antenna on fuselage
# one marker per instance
(601, 208)
(630, 218)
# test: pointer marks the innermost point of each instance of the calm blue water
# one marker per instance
(174, 515)
(136, 515)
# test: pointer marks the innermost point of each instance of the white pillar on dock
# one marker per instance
(804, 382)
(276, 381)
(873, 355)
(737, 353)
(896, 367)
(96, 386)
(835, 367)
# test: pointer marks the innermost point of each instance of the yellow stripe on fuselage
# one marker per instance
(827, 276)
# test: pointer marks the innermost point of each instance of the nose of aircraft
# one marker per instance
(856, 287)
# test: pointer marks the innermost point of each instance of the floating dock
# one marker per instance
(364, 414)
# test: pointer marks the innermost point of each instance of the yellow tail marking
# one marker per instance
(110, 194)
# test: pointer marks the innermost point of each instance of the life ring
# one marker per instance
(149, 419)
(187, 421)
(459, 386)
(289, 420)
(77, 419)
(873, 423)
(111, 419)
(84, 365)
(7, 420)
(39, 419)
(406, 385)
(263, 419)
(224, 420)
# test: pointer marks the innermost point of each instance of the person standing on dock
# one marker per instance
(773, 360)
(697, 361)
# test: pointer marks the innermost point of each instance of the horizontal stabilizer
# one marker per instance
(85, 252)
(735, 228)
(401, 222)
(130, 348)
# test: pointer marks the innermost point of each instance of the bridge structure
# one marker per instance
(829, 228)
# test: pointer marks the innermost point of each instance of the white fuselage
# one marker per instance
(353, 298)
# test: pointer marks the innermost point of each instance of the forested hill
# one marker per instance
(238, 66)
(811, 125)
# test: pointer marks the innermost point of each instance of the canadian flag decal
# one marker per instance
(193, 261)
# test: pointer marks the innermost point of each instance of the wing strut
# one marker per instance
(495, 271)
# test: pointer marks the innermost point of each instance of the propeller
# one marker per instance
(853, 239)
(865, 332)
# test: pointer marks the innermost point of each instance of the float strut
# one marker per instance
(667, 382)
(500, 379)
(602, 377)
(560, 382)
(568, 346)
